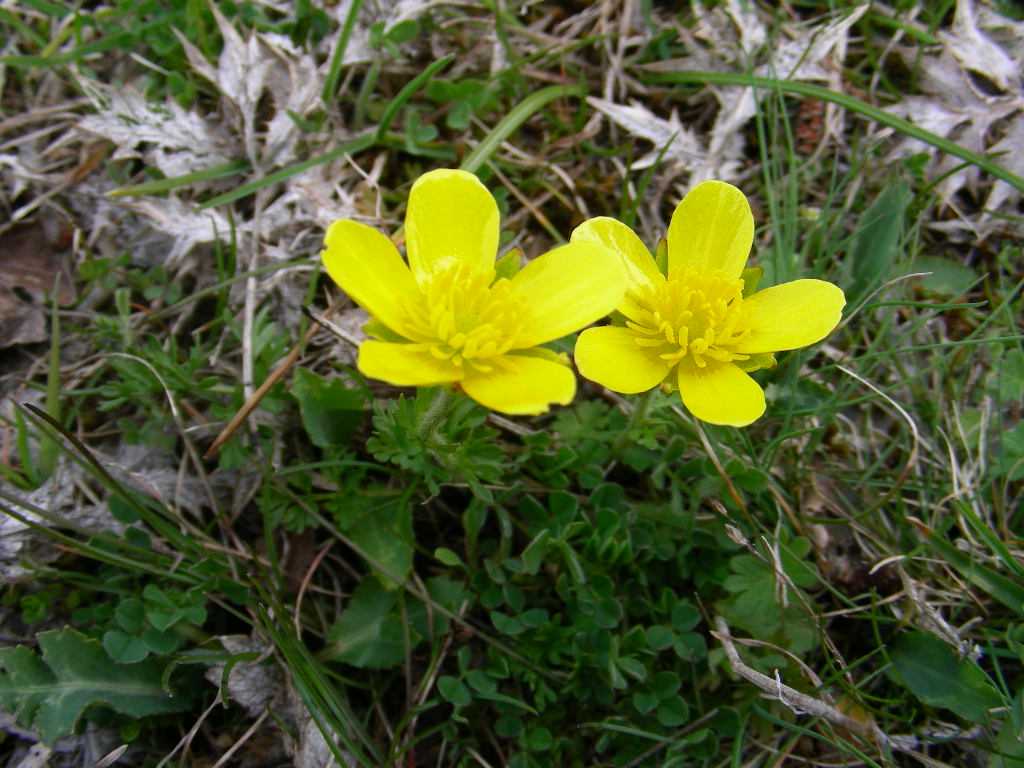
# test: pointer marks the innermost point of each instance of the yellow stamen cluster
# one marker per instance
(467, 317)
(695, 314)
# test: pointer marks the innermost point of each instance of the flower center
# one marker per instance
(467, 317)
(694, 314)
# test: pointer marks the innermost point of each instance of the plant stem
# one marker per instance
(641, 408)
(430, 417)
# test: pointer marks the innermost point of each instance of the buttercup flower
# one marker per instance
(695, 328)
(448, 318)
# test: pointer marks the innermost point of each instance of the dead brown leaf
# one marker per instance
(32, 267)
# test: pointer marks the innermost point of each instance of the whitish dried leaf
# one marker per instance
(809, 54)
(294, 83)
(753, 32)
(252, 684)
(21, 547)
(187, 226)
(1009, 153)
(976, 51)
(681, 147)
(240, 74)
(359, 50)
(953, 106)
(30, 264)
(174, 140)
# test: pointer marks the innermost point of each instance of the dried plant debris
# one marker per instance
(254, 683)
(58, 502)
(731, 37)
(34, 270)
(972, 93)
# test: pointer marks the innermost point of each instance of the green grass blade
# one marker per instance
(407, 92)
(1009, 593)
(846, 101)
(515, 118)
(48, 448)
(338, 56)
(352, 146)
(160, 186)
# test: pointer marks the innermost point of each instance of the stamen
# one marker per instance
(692, 314)
(466, 317)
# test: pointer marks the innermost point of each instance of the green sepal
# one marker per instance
(508, 265)
(756, 362)
(374, 328)
(661, 256)
(751, 277)
(543, 353)
(617, 318)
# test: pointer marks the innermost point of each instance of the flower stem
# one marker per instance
(641, 408)
(430, 416)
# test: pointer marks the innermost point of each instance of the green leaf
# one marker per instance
(632, 667)
(934, 673)
(448, 557)
(51, 693)
(508, 265)
(1011, 377)
(673, 712)
(124, 648)
(507, 625)
(384, 536)
(751, 276)
(1007, 591)
(368, 634)
(947, 278)
(509, 727)
(160, 642)
(876, 245)
(454, 690)
(645, 702)
(330, 411)
(660, 638)
(130, 614)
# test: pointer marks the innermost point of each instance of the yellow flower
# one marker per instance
(694, 329)
(447, 318)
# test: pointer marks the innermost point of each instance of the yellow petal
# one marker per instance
(791, 315)
(640, 267)
(566, 289)
(367, 266)
(405, 366)
(451, 218)
(529, 388)
(611, 357)
(712, 228)
(720, 393)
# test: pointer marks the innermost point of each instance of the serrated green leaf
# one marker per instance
(74, 673)
(931, 670)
